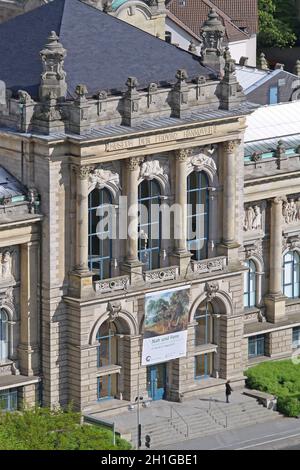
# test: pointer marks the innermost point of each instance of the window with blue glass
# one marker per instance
(273, 95)
(100, 240)
(149, 228)
(8, 400)
(107, 344)
(198, 213)
(256, 346)
(203, 365)
(250, 284)
(296, 337)
(291, 277)
(3, 335)
(204, 326)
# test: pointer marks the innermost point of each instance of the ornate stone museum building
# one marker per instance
(141, 121)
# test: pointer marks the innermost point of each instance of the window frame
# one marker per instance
(250, 276)
(4, 333)
(294, 285)
(102, 257)
(199, 188)
(259, 341)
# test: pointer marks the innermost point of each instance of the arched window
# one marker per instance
(149, 224)
(204, 327)
(250, 284)
(107, 344)
(3, 335)
(198, 211)
(291, 278)
(100, 240)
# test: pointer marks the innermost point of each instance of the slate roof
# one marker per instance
(234, 14)
(102, 51)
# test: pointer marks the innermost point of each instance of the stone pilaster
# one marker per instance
(28, 350)
(275, 301)
(181, 255)
(81, 278)
(229, 246)
(132, 265)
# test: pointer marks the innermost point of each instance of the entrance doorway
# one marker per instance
(157, 381)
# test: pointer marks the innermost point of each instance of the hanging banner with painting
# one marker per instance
(165, 328)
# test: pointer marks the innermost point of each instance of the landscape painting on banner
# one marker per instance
(166, 321)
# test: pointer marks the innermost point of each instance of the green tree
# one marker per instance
(278, 25)
(44, 429)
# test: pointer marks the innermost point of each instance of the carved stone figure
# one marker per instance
(6, 265)
(291, 211)
(151, 168)
(100, 176)
(252, 218)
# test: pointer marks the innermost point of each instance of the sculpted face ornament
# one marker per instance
(211, 289)
(114, 308)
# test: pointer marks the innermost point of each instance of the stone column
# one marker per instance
(28, 350)
(82, 206)
(181, 256)
(275, 301)
(81, 278)
(132, 264)
(229, 244)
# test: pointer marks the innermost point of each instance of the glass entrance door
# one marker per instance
(157, 381)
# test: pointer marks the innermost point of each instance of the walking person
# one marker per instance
(228, 390)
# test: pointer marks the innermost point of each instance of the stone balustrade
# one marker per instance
(162, 274)
(209, 265)
(112, 284)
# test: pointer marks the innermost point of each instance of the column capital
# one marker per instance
(83, 172)
(133, 163)
(230, 146)
(278, 200)
(182, 155)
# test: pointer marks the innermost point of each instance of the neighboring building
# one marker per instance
(240, 19)
(268, 86)
(19, 291)
(87, 126)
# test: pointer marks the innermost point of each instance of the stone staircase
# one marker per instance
(213, 418)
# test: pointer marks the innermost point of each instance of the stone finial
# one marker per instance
(81, 92)
(107, 6)
(227, 55)
(53, 78)
(181, 76)
(212, 34)
(131, 105)
(192, 47)
(24, 97)
(297, 68)
(243, 61)
(230, 92)
(281, 155)
(132, 84)
(262, 62)
(179, 101)
(279, 66)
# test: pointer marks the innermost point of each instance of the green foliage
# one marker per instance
(282, 379)
(278, 25)
(44, 429)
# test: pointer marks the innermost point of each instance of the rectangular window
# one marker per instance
(296, 337)
(9, 400)
(107, 386)
(256, 346)
(273, 95)
(203, 366)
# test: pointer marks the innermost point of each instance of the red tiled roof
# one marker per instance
(195, 12)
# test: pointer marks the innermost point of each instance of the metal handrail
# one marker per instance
(181, 417)
(214, 418)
